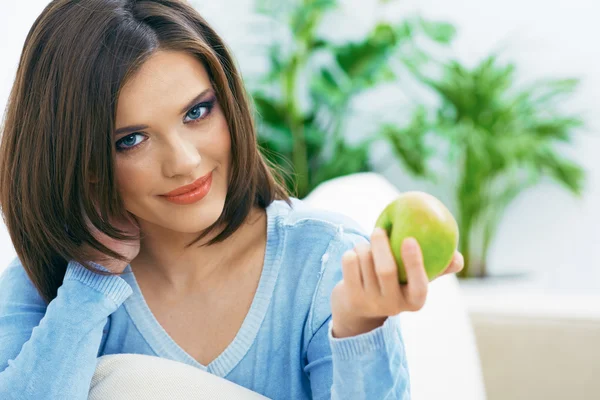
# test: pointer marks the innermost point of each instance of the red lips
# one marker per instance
(191, 194)
(188, 188)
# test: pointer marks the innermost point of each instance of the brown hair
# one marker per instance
(59, 124)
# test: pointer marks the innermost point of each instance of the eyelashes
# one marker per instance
(196, 109)
(126, 141)
(194, 115)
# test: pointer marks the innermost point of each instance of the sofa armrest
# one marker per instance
(533, 344)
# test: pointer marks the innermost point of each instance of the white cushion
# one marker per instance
(440, 344)
(135, 376)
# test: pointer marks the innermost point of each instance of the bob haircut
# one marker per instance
(57, 153)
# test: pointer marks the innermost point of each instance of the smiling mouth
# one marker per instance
(192, 193)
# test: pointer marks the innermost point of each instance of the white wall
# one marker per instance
(545, 230)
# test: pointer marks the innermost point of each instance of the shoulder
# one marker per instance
(318, 238)
(16, 286)
(300, 217)
(311, 238)
(14, 275)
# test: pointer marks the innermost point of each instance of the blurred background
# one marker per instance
(493, 107)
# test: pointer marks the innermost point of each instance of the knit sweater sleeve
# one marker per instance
(368, 366)
(49, 351)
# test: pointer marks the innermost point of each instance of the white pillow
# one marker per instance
(136, 376)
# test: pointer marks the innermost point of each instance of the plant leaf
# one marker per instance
(441, 32)
(409, 143)
(365, 63)
(345, 161)
(269, 110)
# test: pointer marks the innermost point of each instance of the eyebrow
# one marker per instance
(190, 104)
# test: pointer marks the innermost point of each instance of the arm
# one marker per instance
(368, 366)
(50, 352)
(371, 365)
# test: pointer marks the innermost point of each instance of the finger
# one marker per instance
(415, 291)
(385, 264)
(370, 282)
(351, 270)
(456, 265)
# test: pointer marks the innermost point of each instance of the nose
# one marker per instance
(182, 157)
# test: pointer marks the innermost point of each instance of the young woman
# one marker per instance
(146, 221)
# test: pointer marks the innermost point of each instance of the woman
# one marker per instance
(146, 221)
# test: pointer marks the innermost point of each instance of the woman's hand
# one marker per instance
(127, 248)
(370, 293)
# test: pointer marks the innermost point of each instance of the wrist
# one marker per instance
(343, 327)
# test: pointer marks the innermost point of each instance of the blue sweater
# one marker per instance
(283, 350)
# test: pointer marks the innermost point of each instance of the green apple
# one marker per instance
(425, 218)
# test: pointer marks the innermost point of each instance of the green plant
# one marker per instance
(504, 138)
(310, 142)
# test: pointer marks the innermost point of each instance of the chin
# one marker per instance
(195, 218)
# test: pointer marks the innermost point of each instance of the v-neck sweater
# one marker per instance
(284, 348)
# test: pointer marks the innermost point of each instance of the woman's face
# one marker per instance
(170, 133)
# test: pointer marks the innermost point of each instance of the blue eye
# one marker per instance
(199, 111)
(129, 141)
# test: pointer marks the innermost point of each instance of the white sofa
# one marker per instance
(440, 342)
(536, 344)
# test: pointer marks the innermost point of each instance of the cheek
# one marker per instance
(130, 179)
(218, 146)
(226, 146)
(226, 152)
(225, 141)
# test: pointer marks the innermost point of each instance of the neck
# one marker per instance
(164, 258)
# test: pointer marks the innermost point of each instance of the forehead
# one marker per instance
(165, 79)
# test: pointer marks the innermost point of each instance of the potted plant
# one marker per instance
(503, 138)
(308, 142)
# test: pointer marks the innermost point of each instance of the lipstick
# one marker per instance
(191, 193)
